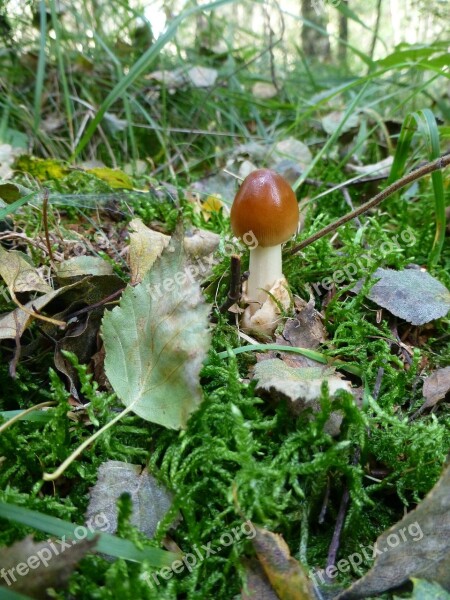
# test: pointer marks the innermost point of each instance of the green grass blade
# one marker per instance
(62, 68)
(12, 208)
(40, 75)
(107, 543)
(424, 122)
(40, 416)
(141, 67)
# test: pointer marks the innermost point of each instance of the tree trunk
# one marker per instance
(315, 44)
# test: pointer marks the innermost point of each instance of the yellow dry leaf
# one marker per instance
(287, 576)
(145, 247)
(212, 204)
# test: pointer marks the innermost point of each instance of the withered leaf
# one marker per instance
(150, 499)
(287, 576)
(33, 567)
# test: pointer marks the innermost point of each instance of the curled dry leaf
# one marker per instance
(19, 275)
(13, 324)
(287, 576)
(145, 247)
(435, 388)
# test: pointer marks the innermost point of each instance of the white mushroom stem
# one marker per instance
(265, 269)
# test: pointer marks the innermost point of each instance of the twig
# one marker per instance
(234, 292)
(436, 165)
(348, 200)
(101, 302)
(18, 349)
(45, 221)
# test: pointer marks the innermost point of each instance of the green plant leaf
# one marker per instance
(156, 341)
(107, 543)
(425, 123)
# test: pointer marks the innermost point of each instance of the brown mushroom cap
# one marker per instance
(266, 206)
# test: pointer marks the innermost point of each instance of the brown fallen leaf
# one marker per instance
(33, 567)
(436, 387)
(304, 330)
(257, 586)
(416, 546)
(287, 576)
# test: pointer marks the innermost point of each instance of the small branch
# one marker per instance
(436, 165)
(234, 292)
(98, 304)
(45, 221)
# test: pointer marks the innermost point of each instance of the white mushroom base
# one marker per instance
(263, 318)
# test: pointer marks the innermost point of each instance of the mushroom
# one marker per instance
(265, 208)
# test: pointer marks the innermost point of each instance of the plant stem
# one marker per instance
(25, 412)
(63, 466)
(436, 165)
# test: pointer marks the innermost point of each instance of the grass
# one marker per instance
(241, 456)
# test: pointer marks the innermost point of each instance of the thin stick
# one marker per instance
(45, 220)
(234, 293)
(436, 165)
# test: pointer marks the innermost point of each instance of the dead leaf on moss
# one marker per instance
(150, 499)
(257, 586)
(287, 576)
(301, 387)
(36, 566)
(412, 295)
(19, 275)
(416, 546)
(435, 388)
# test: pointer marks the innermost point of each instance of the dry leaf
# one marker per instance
(301, 387)
(33, 567)
(150, 499)
(436, 386)
(145, 247)
(19, 275)
(287, 576)
(257, 586)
